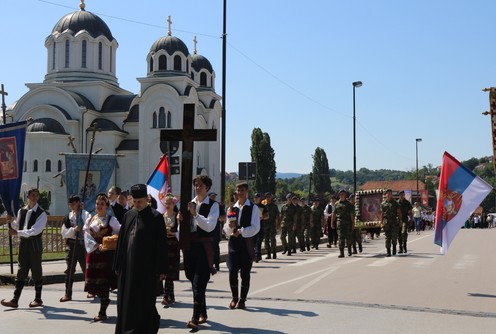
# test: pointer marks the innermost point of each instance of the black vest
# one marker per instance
(204, 211)
(245, 219)
(32, 219)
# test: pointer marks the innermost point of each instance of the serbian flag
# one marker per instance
(158, 184)
(460, 193)
(12, 140)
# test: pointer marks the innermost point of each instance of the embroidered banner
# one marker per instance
(101, 168)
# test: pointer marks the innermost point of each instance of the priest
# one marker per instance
(140, 259)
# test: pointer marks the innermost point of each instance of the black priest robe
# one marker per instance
(140, 258)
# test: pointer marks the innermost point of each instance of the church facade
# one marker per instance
(80, 89)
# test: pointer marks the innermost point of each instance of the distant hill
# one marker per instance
(287, 175)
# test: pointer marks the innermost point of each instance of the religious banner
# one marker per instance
(100, 170)
(12, 139)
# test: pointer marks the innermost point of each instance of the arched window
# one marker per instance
(100, 56)
(154, 118)
(151, 64)
(110, 60)
(48, 165)
(67, 53)
(162, 63)
(169, 120)
(187, 65)
(83, 54)
(53, 59)
(161, 118)
(203, 79)
(59, 166)
(177, 63)
(35, 166)
(192, 76)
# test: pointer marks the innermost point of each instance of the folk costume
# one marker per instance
(99, 278)
(30, 224)
(240, 249)
(173, 258)
(140, 259)
(199, 258)
(74, 247)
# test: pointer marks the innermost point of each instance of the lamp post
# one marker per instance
(356, 84)
(416, 156)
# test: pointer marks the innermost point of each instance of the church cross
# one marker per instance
(169, 22)
(71, 144)
(194, 43)
(188, 135)
(4, 107)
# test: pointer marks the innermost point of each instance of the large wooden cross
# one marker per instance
(188, 135)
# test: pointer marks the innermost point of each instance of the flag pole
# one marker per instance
(10, 240)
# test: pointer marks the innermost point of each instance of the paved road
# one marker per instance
(421, 292)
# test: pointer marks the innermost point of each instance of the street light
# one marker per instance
(416, 155)
(356, 84)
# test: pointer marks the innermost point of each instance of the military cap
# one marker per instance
(342, 191)
(288, 196)
(268, 194)
(256, 195)
(387, 191)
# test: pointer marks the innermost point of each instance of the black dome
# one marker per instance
(46, 125)
(198, 62)
(170, 44)
(83, 20)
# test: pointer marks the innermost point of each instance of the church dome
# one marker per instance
(198, 62)
(82, 20)
(170, 44)
(46, 125)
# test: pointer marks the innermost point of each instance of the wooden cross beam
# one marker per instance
(188, 135)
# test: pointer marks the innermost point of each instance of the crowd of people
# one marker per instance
(128, 247)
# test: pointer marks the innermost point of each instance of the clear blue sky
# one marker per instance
(290, 68)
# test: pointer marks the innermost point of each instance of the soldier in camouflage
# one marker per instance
(406, 220)
(270, 227)
(288, 224)
(305, 223)
(316, 223)
(389, 218)
(356, 236)
(298, 233)
(343, 219)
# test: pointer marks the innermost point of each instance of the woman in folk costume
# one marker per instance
(99, 277)
(172, 249)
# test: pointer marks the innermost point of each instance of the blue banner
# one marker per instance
(12, 140)
(101, 168)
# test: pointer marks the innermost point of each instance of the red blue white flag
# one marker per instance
(460, 193)
(158, 185)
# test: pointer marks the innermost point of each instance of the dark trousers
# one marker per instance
(198, 273)
(239, 263)
(30, 251)
(74, 253)
(258, 244)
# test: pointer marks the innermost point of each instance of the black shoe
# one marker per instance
(268, 257)
(284, 252)
(36, 303)
(10, 303)
(274, 255)
(241, 304)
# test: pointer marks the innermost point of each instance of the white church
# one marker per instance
(81, 87)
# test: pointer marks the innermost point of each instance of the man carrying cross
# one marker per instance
(197, 217)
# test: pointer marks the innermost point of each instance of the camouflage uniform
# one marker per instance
(307, 211)
(406, 209)
(299, 229)
(288, 215)
(343, 213)
(270, 230)
(316, 218)
(390, 210)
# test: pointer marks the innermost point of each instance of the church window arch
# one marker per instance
(67, 53)
(203, 79)
(151, 65)
(161, 118)
(100, 56)
(169, 120)
(48, 165)
(83, 53)
(59, 166)
(110, 60)
(177, 63)
(192, 76)
(35, 165)
(162, 63)
(154, 120)
(187, 65)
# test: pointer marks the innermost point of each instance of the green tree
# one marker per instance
(320, 172)
(263, 155)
